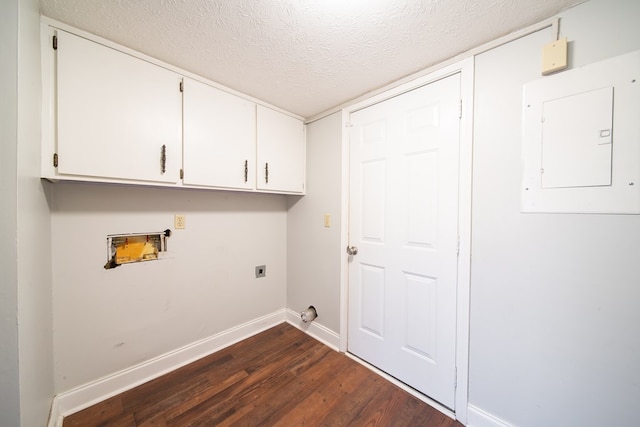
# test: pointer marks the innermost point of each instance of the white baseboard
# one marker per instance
(314, 329)
(476, 417)
(55, 418)
(72, 401)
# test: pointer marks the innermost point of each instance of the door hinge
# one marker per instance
(55, 42)
(181, 86)
(460, 109)
(455, 378)
(55, 160)
(181, 173)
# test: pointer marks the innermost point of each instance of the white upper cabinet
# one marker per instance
(219, 138)
(113, 115)
(118, 117)
(281, 152)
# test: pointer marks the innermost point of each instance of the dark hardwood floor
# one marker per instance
(280, 377)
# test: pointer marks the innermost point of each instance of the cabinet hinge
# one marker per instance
(55, 160)
(55, 42)
(181, 173)
(460, 109)
(181, 86)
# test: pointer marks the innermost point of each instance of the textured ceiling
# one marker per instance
(305, 56)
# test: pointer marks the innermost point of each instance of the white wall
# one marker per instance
(26, 367)
(313, 250)
(554, 318)
(109, 320)
(9, 375)
(34, 232)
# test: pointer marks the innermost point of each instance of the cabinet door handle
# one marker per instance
(266, 173)
(246, 170)
(163, 159)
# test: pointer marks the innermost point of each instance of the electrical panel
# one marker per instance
(581, 139)
(576, 148)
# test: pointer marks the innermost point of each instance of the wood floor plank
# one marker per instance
(400, 411)
(308, 382)
(156, 421)
(297, 384)
(263, 373)
(280, 377)
(107, 410)
(346, 410)
(304, 412)
(373, 412)
(214, 389)
(224, 363)
(340, 382)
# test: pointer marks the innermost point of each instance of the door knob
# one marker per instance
(352, 250)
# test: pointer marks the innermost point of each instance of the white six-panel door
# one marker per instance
(403, 220)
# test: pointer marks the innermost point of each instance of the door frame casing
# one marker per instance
(466, 70)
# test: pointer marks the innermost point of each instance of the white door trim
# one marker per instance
(466, 70)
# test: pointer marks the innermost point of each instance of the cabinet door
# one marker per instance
(118, 117)
(219, 138)
(281, 152)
